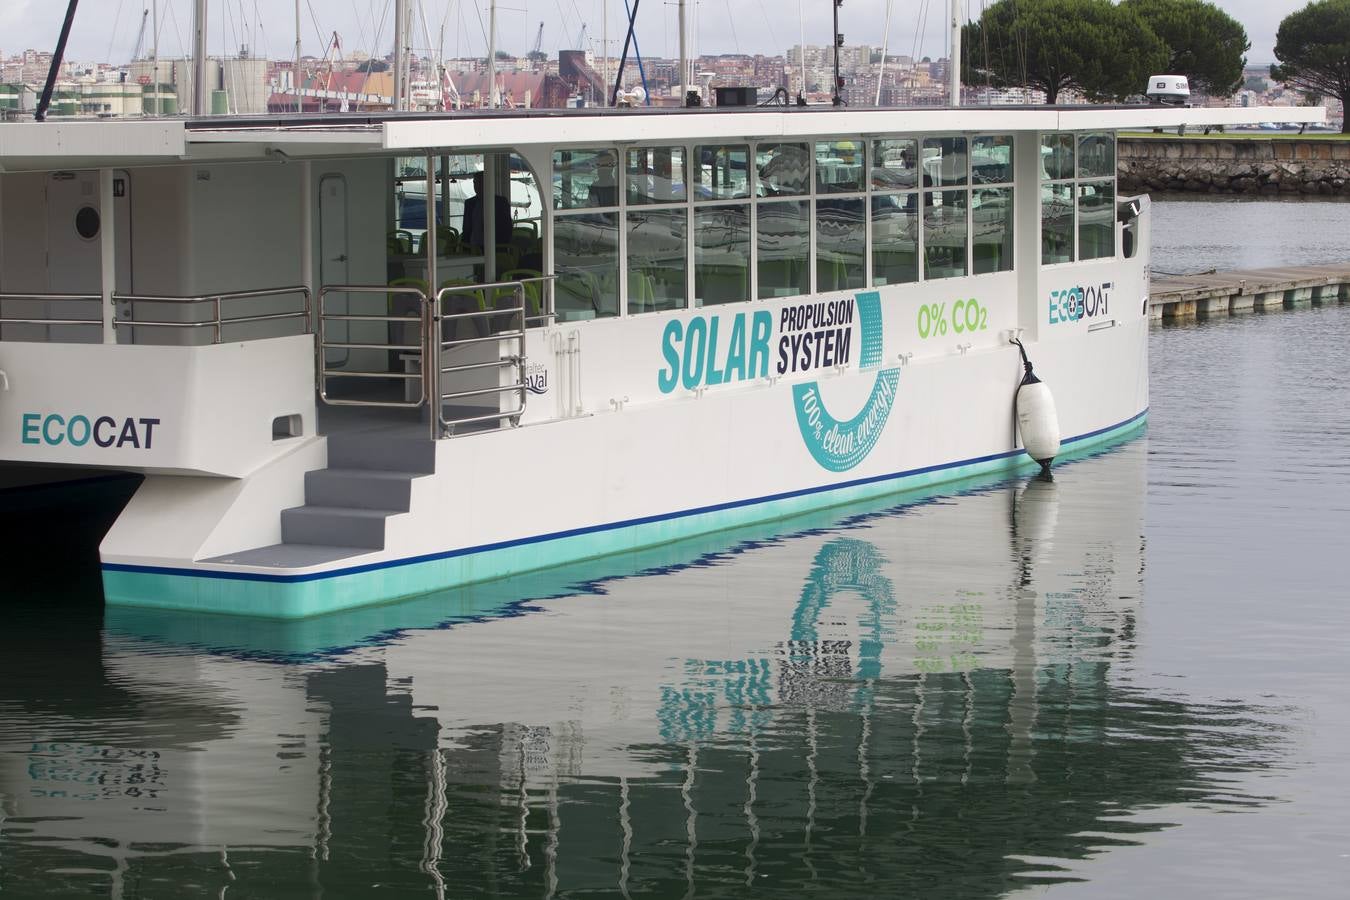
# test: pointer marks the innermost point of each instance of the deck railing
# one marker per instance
(490, 325)
(217, 318)
(441, 360)
(8, 318)
(414, 378)
(217, 303)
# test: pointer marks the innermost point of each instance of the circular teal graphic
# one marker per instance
(839, 445)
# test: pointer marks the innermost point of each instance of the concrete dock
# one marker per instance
(1244, 290)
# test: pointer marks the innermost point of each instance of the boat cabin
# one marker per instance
(228, 279)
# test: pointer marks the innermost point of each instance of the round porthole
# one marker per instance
(87, 222)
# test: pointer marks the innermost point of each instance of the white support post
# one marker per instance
(107, 253)
(307, 240)
(431, 343)
(488, 204)
(1027, 229)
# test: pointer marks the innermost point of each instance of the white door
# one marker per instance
(74, 228)
(334, 258)
(74, 224)
(333, 255)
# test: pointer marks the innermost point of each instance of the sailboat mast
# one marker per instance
(154, 50)
(801, 48)
(199, 59)
(295, 74)
(954, 63)
(885, 45)
(684, 54)
(400, 13)
(492, 55)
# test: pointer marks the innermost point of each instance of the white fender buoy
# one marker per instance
(1037, 420)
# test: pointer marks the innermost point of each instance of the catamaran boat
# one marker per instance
(708, 318)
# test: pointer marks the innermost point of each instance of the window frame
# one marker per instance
(1075, 184)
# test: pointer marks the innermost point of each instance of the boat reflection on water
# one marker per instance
(928, 698)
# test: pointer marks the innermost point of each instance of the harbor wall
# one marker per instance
(1219, 165)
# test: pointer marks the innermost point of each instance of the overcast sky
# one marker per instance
(106, 30)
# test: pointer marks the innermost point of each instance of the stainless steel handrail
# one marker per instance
(514, 330)
(218, 322)
(42, 298)
(322, 343)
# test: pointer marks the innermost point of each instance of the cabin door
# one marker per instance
(334, 256)
(74, 224)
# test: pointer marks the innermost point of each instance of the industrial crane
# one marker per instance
(537, 55)
(140, 35)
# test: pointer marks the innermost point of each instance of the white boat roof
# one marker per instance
(36, 146)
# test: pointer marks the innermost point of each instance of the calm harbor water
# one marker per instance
(1201, 233)
(1128, 683)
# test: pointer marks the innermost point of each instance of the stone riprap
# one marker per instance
(1235, 166)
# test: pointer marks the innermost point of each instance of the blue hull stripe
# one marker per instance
(593, 529)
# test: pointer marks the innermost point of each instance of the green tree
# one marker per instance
(1313, 49)
(1207, 44)
(1103, 50)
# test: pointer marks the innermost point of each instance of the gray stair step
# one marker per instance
(360, 488)
(343, 526)
(381, 450)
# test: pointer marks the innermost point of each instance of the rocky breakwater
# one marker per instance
(1218, 165)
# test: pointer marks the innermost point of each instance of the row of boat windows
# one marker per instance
(789, 218)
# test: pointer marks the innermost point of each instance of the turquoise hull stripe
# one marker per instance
(301, 596)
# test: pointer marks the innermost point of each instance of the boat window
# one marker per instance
(1056, 156)
(783, 170)
(1057, 200)
(991, 159)
(991, 216)
(656, 175)
(895, 164)
(1056, 223)
(895, 172)
(944, 161)
(1096, 219)
(523, 256)
(585, 178)
(839, 166)
(1078, 191)
(944, 234)
(841, 242)
(1096, 156)
(586, 262)
(721, 252)
(895, 238)
(721, 173)
(657, 239)
(783, 247)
